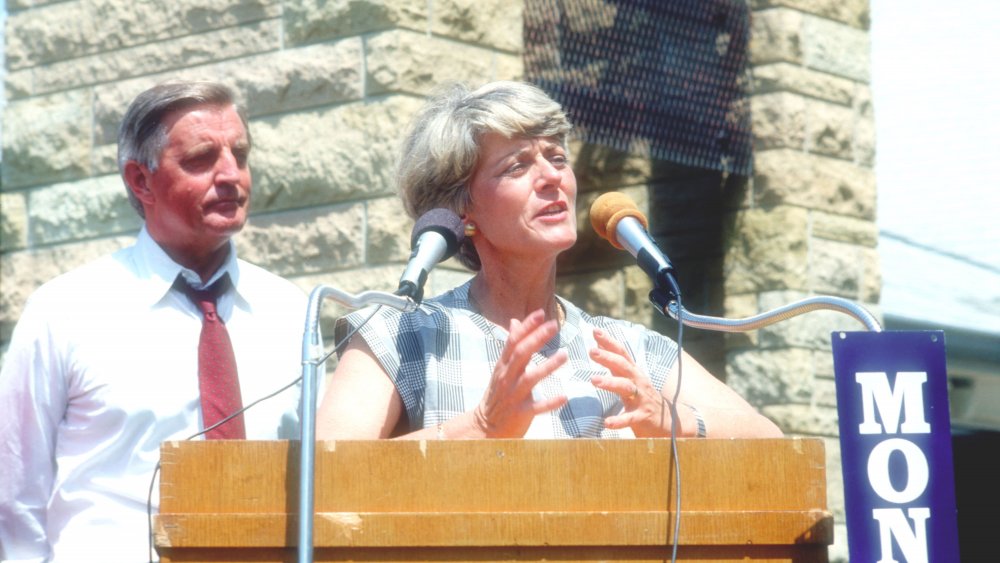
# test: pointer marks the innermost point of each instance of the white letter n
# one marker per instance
(912, 542)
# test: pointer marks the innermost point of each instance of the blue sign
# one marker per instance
(895, 440)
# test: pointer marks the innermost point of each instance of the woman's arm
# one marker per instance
(360, 402)
(723, 412)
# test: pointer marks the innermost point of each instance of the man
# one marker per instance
(104, 363)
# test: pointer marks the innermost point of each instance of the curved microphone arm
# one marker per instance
(312, 357)
(774, 316)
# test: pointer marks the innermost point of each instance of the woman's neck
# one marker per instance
(501, 295)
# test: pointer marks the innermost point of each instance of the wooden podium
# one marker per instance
(497, 500)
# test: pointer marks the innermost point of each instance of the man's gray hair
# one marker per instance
(441, 152)
(142, 135)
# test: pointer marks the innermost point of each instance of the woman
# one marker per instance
(502, 356)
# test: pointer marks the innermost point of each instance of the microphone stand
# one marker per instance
(312, 357)
(669, 306)
(666, 298)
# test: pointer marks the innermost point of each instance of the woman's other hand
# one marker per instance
(646, 410)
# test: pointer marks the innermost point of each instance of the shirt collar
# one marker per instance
(160, 271)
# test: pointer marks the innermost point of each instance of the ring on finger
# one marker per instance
(635, 392)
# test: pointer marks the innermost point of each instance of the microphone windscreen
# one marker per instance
(608, 210)
(443, 221)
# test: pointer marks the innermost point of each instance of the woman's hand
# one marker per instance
(646, 410)
(507, 407)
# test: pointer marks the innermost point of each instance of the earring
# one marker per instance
(470, 229)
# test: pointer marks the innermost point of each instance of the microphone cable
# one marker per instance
(156, 470)
(674, 419)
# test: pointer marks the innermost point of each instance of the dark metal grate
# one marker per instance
(666, 77)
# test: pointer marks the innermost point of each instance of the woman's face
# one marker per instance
(523, 198)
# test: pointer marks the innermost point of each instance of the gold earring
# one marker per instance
(470, 229)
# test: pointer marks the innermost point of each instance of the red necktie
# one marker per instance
(217, 378)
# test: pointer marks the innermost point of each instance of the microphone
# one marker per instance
(436, 236)
(616, 218)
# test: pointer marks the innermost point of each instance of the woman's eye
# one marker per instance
(515, 168)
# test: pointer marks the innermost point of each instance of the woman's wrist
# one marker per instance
(701, 429)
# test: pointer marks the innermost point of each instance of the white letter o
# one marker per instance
(878, 470)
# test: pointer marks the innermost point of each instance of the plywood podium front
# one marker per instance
(497, 500)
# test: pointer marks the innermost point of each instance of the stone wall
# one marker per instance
(807, 223)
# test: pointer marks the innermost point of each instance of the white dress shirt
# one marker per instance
(102, 368)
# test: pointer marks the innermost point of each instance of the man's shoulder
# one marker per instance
(107, 270)
(255, 280)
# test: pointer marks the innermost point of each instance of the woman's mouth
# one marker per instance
(553, 209)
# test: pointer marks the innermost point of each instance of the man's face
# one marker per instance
(200, 194)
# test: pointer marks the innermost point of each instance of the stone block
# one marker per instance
(404, 61)
(88, 208)
(635, 300)
(864, 128)
(851, 12)
(771, 377)
(767, 249)
(178, 54)
(825, 394)
(311, 21)
(294, 79)
(599, 168)
(13, 221)
(836, 268)
(388, 230)
(830, 129)
(275, 83)
(776, 35)
(836, 48)
(619, 293)
(104, 160)
(22, 272)
(852, 230)
(862, 101)
(12, 5)
(803, 419)
(598, 293)
(19, 83)
(351, 155)
(305, 241)
(65, 30)
(47, 139)
(794, 178)
(494, 23)
(870, 289)
(778, 120)
(785, 77)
